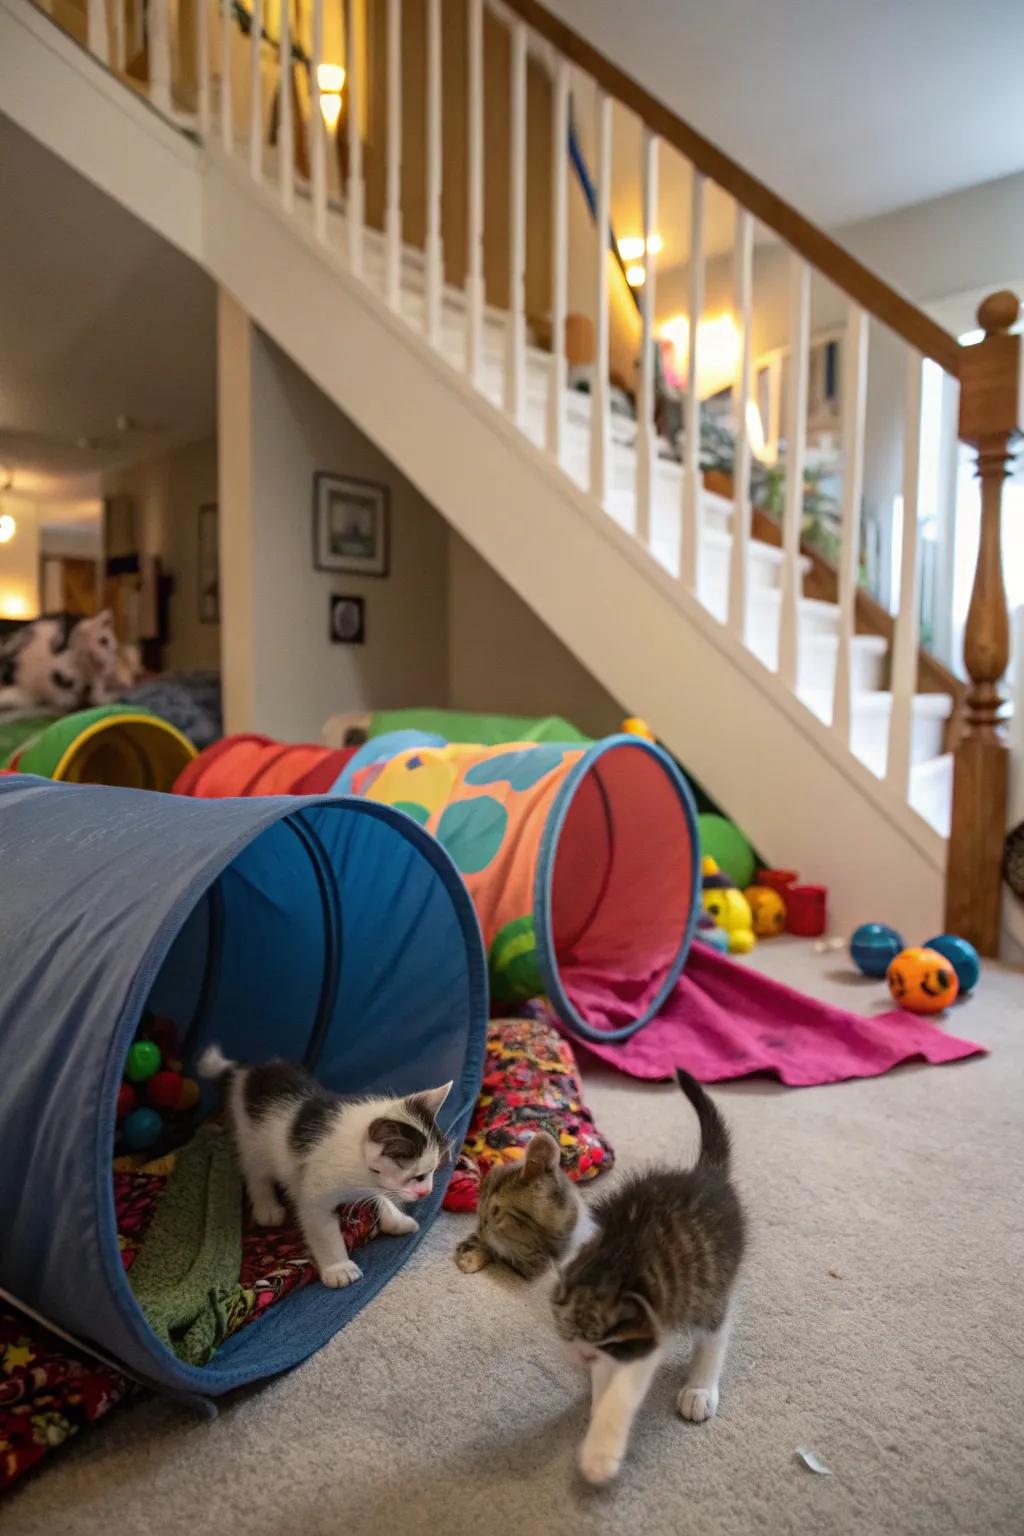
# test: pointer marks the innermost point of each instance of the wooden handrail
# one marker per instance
(823, 253)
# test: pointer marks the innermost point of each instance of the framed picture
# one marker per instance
(350, 525)
(208, 566)
(347, 620)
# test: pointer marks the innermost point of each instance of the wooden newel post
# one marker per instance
(990, 422)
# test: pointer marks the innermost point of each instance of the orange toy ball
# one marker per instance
(922, 980)
(768, 910)
(188, 1098)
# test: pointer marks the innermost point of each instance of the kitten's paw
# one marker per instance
(599, 1464)
(697, 1403)
(397, 1223)
(470, 1257)
(344, 1273)
(269, 1213)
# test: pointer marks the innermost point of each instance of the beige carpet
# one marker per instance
(881, 1327)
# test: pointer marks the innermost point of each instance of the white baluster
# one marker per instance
(475, 252)
(434, 252)
(393, 192)
(906, 631)
(227, 124)
(120, 43)
(690, 525)
(285, 119)
(599, 397)
(355, 192)
(853, 397)
(743, 278)
(202, 61)
(647, 437)
(317, 129)
(515, 376)
(559, 257)
(160, 55)
(96, 30)
(796, 438)
(256, 91)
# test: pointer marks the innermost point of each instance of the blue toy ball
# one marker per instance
(141, 1129)
(873, 946)
(962, 956)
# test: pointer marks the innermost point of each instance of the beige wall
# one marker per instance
(167, 493)
(503, 660)
(297, 676)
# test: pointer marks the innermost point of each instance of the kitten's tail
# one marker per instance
(214, 1065)
(714, 1134)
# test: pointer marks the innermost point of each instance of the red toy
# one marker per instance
(806, 905)
(806, 910)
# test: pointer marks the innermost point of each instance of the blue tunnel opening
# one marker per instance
(332, 932)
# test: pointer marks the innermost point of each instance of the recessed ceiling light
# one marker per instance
(636, 276)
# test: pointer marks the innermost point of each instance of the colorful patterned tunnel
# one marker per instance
(582, 862)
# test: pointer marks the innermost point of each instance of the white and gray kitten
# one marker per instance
(321, 1150)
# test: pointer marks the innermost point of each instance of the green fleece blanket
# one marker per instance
(188, 1267)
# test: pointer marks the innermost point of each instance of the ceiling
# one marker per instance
(847, 108)
(107, 334)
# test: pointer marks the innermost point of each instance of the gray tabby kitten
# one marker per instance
(529, 1214)
(663, 1257)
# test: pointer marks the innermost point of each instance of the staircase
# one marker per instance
(810, 735)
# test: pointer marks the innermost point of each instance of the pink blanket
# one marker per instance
(725, 1020)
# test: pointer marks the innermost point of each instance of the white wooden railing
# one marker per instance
(204, 82)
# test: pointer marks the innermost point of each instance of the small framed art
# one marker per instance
(350, 525)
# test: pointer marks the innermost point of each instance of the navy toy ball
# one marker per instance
(962, 956)
(873, 946)
(141, 1129)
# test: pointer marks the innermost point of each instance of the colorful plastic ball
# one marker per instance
(634, 726)
(141, 1129)
(962, 956)
(127, 1100)
(164, 1036)
(164, 1089)
(143, 1060)
(922, 980)
(767, 909)
(189, 1095)
(873, 948)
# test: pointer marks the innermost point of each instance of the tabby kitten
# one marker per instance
(294, 1137)
(529, 1214)
(663, 1258)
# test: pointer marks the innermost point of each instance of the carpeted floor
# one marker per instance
(881, 1327)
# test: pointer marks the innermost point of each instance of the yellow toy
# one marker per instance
(634, 726)
(727, 905)
(768, 910)
(922, 980)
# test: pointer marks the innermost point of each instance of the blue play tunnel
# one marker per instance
(333, 932)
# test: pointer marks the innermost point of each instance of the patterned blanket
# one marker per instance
(50, 1391)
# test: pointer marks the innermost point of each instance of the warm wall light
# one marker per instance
(14, 605)
(718, 352)
(8, 528)
(631, 247)
(636, 276)
(331, 80)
